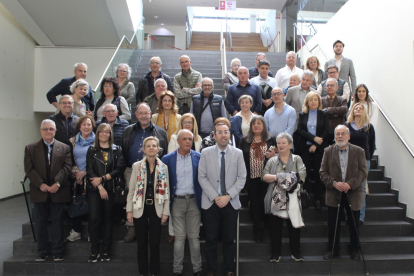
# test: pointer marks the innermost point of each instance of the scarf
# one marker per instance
(257, 149)
(161, 183)
(171, 126)
(85, 142)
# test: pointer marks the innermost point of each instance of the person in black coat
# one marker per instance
(105, 167)
(258, 146)
(310, 140)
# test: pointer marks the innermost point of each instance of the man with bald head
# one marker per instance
(110, 116)
(185, 199)
(146, 85)
(187, 83)
(243, 87)
(62, 88)
(207, 107)
(335, 106)
(283, 75)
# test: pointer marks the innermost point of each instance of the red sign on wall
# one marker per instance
(222, 5)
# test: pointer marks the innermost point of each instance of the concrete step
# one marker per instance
(376, 174)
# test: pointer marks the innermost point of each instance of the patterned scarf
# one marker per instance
(257, 149)
(161, 183)
(171, 127)
(284, 183)
(124, 85)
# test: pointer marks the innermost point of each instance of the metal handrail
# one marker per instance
(306, 44)
(393, 127)
(228, 31)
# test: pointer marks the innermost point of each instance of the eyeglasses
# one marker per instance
(110, 111)
(122, 71)
(48, 129)
(332, 72)
(277, 94)
(154, 63)
(187, 123)
(207, 85)
(66, 103)
(226, 132)
(330, 85)
(341, 133)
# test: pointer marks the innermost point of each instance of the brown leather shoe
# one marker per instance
(170, 238)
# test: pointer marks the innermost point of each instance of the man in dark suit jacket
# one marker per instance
(335, 106)
(222, 175)
(62, 88)
(48, 165)
(345, 65)
(343, 170)
(185, 193)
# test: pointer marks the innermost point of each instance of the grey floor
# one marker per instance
(13, 214)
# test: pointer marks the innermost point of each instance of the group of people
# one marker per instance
(184, 162)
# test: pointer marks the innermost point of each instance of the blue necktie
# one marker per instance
(223, 174)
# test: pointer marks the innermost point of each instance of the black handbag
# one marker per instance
(79, 206)
(121, 192)
(304, 199)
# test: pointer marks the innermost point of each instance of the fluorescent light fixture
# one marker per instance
(155, 16)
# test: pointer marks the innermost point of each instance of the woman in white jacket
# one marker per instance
(282, 201)
(148, 204)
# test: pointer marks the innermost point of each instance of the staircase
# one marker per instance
(242, 42)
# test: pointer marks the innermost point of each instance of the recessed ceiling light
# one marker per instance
(155, 16)
(150, 1)
(162, 24)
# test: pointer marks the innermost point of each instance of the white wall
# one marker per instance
(177, 31)
(270, 23)
(19, 125)
(54, 64)
(379, 37)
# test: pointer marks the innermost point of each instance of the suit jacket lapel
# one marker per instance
(342, 64)
(173, 165)
(228, 158)
(335, 101)
(350, 155)
(40, 157)
(336, 160)
(56, 151)
(319, 123)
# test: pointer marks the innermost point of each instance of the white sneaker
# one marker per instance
(73, 236)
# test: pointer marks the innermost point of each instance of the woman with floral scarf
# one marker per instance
(148, 204)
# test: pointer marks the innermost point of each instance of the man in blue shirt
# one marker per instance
(185, 193)
(131, 143)
(282, 117)
(243, 87)
(62, 88)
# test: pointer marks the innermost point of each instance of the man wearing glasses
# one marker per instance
(343, 86)
(110, 116)
(281, 117)
(335, 106)
(48, 165)
(207, 107)
(146, 84)
(65, 120)
(131, 143)
(222, 175)
(187, 83)
(62, 88)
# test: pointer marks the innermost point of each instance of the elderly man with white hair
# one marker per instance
(296, 95)
(187, 83)
(62, 88)
(283, 75)
(146, 85)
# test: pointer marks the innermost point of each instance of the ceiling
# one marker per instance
(174, 12)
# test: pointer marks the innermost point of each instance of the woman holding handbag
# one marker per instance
(80, 145)
(148, 205)
(282, 202)
(104, 163)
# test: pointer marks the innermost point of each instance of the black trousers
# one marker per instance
(42, 212)
(77, 221)
(276, 226)
(313, 160)
(332, 211)
(148, 224)
(100, 220)
(214, 220)
(256, 190)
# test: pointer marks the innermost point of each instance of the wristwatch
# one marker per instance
(57, 183)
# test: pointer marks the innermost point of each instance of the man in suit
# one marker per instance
(345, 65)
(48, 165)
(222, 175)
(62, 88)
(335, 106)
(343, 170)
(296, 95)
(185, 202)
(343, 86)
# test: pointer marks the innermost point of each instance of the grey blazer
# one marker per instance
(293, 99)
(345, 72)
(209, 175)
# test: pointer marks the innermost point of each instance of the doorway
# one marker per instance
(162, 41)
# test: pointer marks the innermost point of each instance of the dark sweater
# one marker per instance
(363, 139)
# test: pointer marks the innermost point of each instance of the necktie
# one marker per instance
(223, 174)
